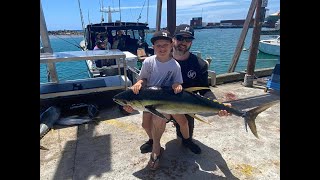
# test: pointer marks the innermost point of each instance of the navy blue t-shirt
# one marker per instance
(195, 74)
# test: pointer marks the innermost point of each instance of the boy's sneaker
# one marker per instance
(191, 145)
(147, 146)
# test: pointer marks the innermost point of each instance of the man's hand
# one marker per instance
(176, 88)
(224, 112)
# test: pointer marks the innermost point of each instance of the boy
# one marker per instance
(163, 71)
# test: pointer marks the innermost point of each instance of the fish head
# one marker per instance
(127, 98)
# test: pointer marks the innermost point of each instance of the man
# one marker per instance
(102, 45)
(195, 74)
(119, 41)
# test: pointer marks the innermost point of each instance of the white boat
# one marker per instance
(134, 40)
(270, 46)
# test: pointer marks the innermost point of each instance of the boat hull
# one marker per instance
(270, 47)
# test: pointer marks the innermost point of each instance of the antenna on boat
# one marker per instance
(101, 6)
(109, 11)
(88, 17)
(120, 11)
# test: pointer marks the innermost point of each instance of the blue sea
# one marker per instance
(219, 44)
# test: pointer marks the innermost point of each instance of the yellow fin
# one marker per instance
(194, 116)
(191, 89)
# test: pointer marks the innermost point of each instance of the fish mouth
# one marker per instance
(118, 102)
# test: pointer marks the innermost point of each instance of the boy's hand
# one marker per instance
(136, 88)
(177, 88)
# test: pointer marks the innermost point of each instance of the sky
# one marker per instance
(65, 14)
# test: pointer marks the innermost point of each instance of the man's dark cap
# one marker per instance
(162, 34)
(184, 29)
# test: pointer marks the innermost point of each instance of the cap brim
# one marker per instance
(160, 37)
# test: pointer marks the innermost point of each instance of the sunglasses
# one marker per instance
(181, 38)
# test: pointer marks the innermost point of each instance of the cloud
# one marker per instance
(138, 7)
(199, 4)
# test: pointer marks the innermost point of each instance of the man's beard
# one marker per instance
(181, 50)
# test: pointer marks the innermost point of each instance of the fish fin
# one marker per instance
(155, 112)
(43, 148)
(250, 116)
(197, 118)
(191, 89)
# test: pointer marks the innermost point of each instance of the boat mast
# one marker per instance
(148, 13)
(120, 10)
(81, 16)
(51, 68)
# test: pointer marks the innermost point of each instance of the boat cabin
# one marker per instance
(133, 36)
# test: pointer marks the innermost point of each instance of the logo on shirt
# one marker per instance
(192, 74)
(165, 80)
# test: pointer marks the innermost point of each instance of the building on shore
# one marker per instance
(271, 20)
(196, 23)
(210, 25)
(236, 23)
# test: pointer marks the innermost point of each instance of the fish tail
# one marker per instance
(250, 116)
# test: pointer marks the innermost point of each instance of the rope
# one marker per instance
(141, 11)
(69, 42)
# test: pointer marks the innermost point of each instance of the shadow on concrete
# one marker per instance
(112, 112)
(253, 101)
(179, 162)
(87, 156)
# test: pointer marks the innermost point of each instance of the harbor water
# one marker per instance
(218, 43)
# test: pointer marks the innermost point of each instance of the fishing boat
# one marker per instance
(270, 46)
(134, 41)
(131, 41)
(88, 90)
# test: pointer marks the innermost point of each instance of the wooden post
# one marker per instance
(242, 37)
(158, 20)
(249, 76)
(171, 16)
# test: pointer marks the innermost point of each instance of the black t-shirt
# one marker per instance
(195, 74)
